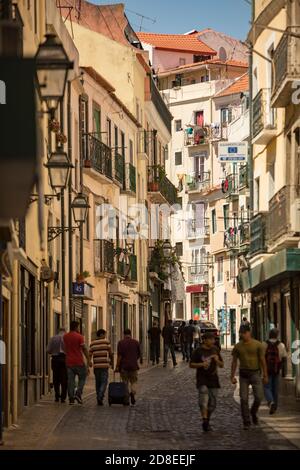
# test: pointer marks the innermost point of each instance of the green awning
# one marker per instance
(276, 267)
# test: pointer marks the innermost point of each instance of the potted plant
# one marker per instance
(81, 277)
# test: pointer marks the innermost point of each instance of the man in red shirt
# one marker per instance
(75, 348)
(129, 352)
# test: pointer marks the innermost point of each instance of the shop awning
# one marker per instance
(278, 266)
(197, 289)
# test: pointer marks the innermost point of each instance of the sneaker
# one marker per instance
(254, 419)
(100, 402)
(78, 399)
(132, 399)
(72, 401)
(205, 425)
(272, 408)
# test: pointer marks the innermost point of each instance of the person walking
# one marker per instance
(189, 338)
(206, 359)
(276, 356)
(197, 334)
(251, 357)
(129, 352)
(154, 337)
(56, 349)
(168, 333)
(182, 340)
(103, 359)
(75, 349)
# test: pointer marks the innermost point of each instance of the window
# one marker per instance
(166, 153)
(108, 130)
(182, 61)
(256, 194)
(179, 249)
(220, 267)
(97, 121)
(84, 127)
(178, 125)
(116, 132)
(178, 158)
(214, 221)
(204, 78)
(226, 216)
(271, 180)
(232, 267)
(96, 320)
(131, 151)
(199, 118)
(226, 115)
(199, 166)
(179, 309)
(123, 146)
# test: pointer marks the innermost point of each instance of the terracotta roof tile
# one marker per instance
(176, 42)
(240, 85)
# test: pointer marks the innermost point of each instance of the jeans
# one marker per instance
(207, 399)
(60, 378)
(101, 380)
(271, 389)
(248, 378)
(81, 372)
(154, 351)
(188, 350)
(168, 347)
(183, 350)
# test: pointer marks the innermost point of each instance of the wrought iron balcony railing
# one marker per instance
(201, 182)
(104, 257)
(279, 214)
(198, 228)
(258, 234)
(197, 135)
(130, 178)
(243, 177)
(98, 156)
(264, 117)
(159, 183)
(286, 66)
(238, 237)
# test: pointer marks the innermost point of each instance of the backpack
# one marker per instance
(272, 358)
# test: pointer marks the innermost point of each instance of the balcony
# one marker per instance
(197, 275)
(98, 158)
(237, 238)
(160, 188)
(286, 62)
(218, 132)
(198, 228)
(161, 106)
(230, 186)
(258, 234)
(196, 135)
(103, 257)
(264, 118)
(129, 180)
(200, 183)
(119, 168)
(132, 275)
(243, 178)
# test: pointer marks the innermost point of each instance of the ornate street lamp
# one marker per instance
(52, 65)
(80, 207)
(59, 167)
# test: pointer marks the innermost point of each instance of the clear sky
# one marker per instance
(179, 16)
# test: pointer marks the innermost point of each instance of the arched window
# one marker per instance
(222, 54)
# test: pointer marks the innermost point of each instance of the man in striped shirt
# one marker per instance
(101, 352)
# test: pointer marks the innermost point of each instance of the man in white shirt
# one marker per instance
(275, 353)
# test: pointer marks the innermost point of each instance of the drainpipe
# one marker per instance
(250, 161)
(15, 341)
(70, 233)
(63, 235)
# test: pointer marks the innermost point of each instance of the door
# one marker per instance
(233, 326)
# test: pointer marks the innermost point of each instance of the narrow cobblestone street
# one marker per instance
(165, 416)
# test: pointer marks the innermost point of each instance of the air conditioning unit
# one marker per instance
(295, 216)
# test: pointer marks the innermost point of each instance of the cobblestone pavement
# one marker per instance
(166, 416)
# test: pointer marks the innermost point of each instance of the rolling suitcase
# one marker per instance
(118, 393)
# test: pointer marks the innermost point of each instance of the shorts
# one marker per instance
(130, 376)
